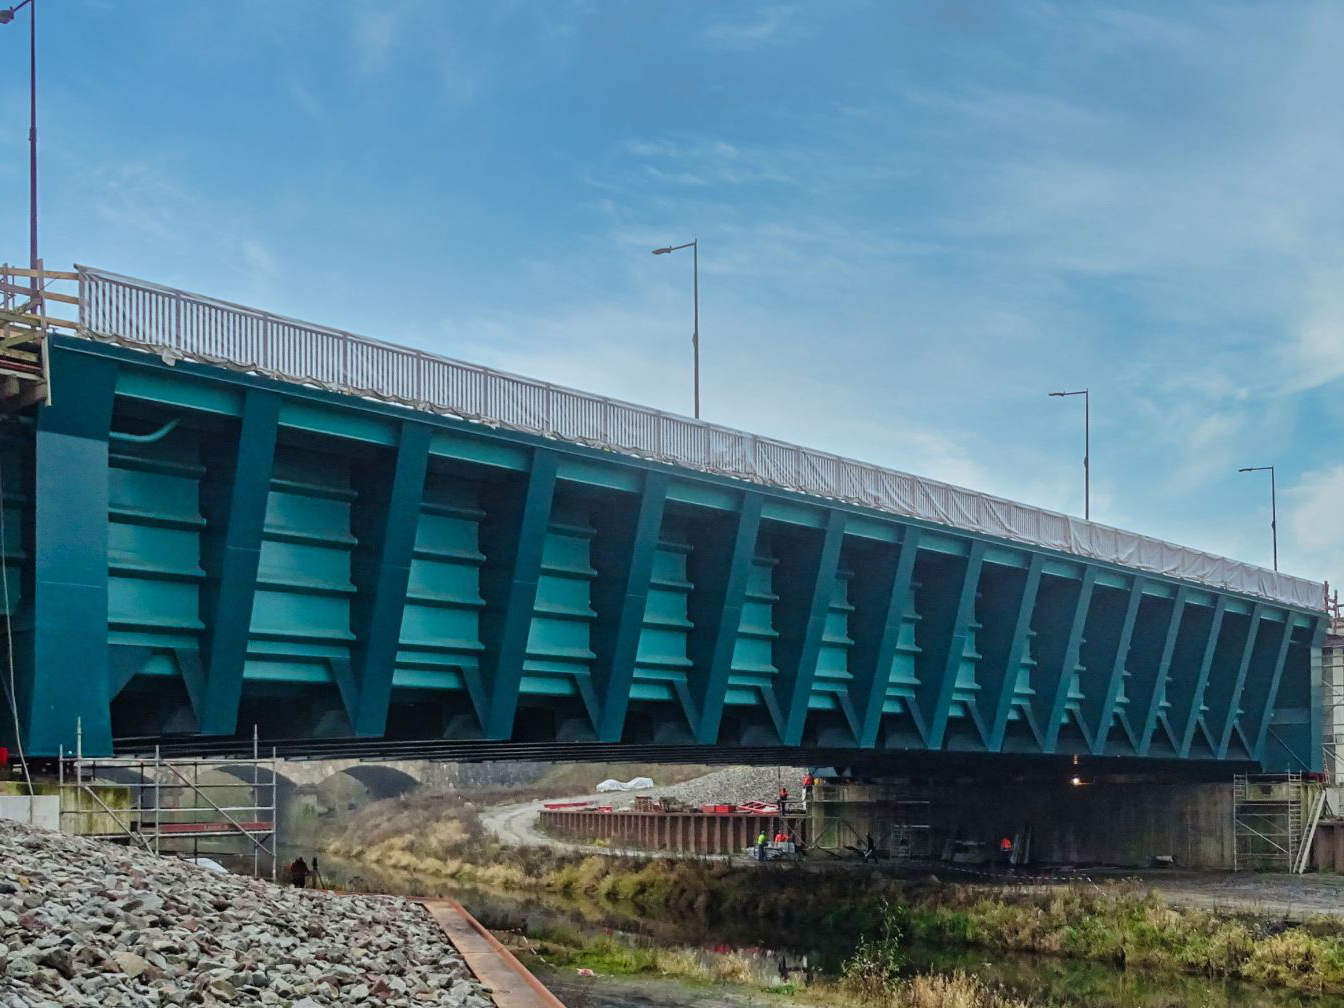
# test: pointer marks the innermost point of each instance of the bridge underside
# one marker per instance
(191, 552)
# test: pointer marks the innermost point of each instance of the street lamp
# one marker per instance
(6, 16)
(695, 333)
(1273, 507)
(1087, 449)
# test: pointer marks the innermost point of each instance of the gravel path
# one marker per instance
(734, 785)
(86, 923)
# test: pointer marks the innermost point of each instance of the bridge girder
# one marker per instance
(193, 551)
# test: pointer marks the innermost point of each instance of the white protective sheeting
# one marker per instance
(634, 784)
(179, 325)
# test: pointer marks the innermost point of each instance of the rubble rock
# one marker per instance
(85, 923)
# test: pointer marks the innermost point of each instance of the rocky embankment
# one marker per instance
(84, 923)
(732, 785)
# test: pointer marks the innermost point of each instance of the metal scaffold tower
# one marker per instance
(844, 816)
(1274, 819)
(1332, 693)
(216, 809)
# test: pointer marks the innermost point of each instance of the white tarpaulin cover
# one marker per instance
(637, 784)
(179, 325)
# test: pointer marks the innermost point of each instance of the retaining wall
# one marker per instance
(683, 832)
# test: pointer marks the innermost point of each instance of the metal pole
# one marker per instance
(158, 803)
(32, 136)
(695, 333)
(1087, 455)
(256, 797)
(1274, 516)
(275, 818)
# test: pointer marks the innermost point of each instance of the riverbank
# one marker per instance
(1115, 922)
(84, 923)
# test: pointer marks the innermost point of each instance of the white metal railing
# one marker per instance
(178, 324)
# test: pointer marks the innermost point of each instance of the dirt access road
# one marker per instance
(520, 826)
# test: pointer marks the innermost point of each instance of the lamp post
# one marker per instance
(1087, 448)
(7, 16)
(1273, 507)
(695, 289)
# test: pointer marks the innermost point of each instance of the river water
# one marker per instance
(1060, 983)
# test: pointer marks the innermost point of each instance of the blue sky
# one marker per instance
(915, 218)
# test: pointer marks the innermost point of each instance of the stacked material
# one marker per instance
(85, 923)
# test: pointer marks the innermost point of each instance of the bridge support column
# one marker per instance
(623, 555)
(516, 537)
(233, 498)
(63, 652)
(720, 563)
(388, 516)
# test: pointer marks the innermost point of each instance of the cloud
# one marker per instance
(1311, 532)
(771, 24)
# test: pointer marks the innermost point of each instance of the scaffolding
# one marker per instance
(1332, 694)
(24, 324)
(1274, 819)
(898, 825)
(175, 807)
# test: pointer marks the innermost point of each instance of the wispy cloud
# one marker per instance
(769, 24)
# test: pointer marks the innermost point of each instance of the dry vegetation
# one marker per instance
(438, 833)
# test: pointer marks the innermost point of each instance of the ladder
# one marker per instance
(1269, 813)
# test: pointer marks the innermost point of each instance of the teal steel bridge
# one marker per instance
(225, 519)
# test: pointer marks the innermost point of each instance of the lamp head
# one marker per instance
(662, 251)
(6, 15)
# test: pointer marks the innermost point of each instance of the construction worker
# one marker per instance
(783, 800)
(781, 837)
(298, 873)
(760, 846)
(1006, 850)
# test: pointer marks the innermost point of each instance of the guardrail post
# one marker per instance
(178, 337)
